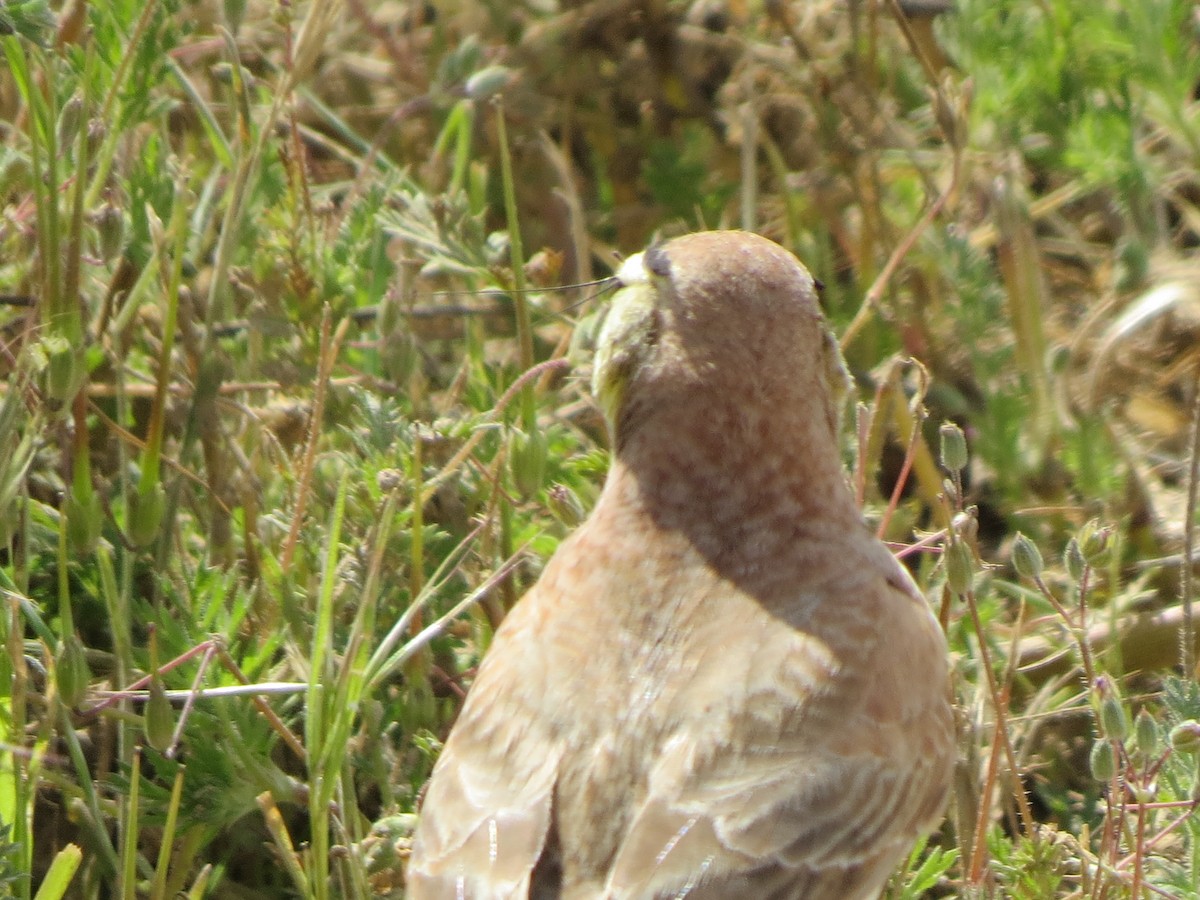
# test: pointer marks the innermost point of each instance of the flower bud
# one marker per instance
(565, 505)
(966, 525)
(388, 480)
(1113, 721)
(1185, 737)
(1094, 541)
(1026, 557)
(1144, 793)
(487, 82)
(527, 458)
(145, 514)
(84, 517)
(1074, 561)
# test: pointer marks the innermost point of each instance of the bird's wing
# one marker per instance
(810, 783)
(487, 810)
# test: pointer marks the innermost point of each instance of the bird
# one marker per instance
(722, 685)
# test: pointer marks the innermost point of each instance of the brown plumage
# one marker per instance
(722, 686)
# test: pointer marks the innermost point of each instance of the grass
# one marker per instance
(294, 405)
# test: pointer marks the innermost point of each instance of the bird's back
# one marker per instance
(691, 727)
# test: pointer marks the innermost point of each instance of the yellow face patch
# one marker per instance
(625, 336)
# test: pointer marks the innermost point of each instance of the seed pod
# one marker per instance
(1145, 731)
(159, 721)
(953, 447)
(110, 231)
(71, 672)
(70, 117)
(399, 355)
(1027, 558)
(96, 132)
(960, 567)
(1103, 761)
(64, 371)
(145, 515)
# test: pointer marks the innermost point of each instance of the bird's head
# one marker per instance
(712, 319)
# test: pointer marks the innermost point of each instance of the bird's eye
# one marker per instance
(657, 261)
(820, 286)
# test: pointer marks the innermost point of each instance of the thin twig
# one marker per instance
(330, 347)
(257, 689)
(190, 700)
(910, 452)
